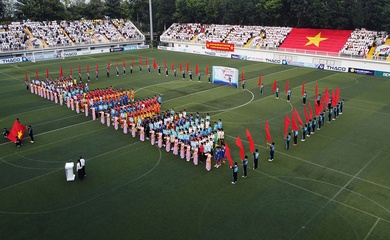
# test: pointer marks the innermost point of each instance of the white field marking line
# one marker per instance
(335, 185)
(56, 120)
(320, 195)
(97, 156)
(33, 160)
(331, 199)
(93, 198)
(229, 109)
(29, 168)
(359, 100)
(205, 105)
(368, 110)
(372, 228)
(55, 130)
(9, 77)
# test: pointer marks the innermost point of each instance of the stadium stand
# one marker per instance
(12, 37)
(361, 40)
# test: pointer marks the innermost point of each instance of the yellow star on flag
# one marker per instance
(20, 134)
(315, 40)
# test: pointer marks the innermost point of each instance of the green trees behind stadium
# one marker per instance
(335, 14)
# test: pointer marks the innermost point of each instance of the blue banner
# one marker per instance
(361, 71)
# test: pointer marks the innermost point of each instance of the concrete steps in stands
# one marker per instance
(66, 34)
(370, 53)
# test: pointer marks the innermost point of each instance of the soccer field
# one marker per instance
(335, 185)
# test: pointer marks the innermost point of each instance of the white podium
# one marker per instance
(69, 171)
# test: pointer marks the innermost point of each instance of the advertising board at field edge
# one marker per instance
(220, 46)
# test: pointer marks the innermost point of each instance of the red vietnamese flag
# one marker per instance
(286, 125)
(79, 68)
(132, 62)
(154, 64)
(188, 67)
(298, 117)
(303, 88)
(207, 69)
(173, 66)
(316, 91)
(337, 94)
(227, 154)
(109, 66)
(306, 115)
(36, 74)
(274, 86)
(70, 71)
(324, 40)
(147, 61)
(239, 145)
(140, 61)
(250, 140)
(334, 103)
(294, 123)
(165, 64)
(310, 111)
(61, 72)
(242, 76)
(17, 130)
(196, 69)
(318, 107)
(267, 133)
(47, 73)
(259, 81)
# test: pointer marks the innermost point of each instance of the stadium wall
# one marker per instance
(329, 63)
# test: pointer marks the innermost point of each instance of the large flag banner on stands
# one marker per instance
(17, 130)
(228, 155)
(239, 145)
(250, 140)
(220, 46)
(324, 40)
(225, 76)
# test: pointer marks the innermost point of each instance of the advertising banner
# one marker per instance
(220, 46)
(225, 76)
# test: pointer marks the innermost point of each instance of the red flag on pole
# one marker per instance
(154, 64)
(165, 64)
(79, 68)
(173, 66)
(286, 125)
(250, 140)
(108, 65)
(17, 130)
(123, 63)
(337, 94)
(267, 133)
(47, 73)
(61, 72)
(326, 95)
(147, 61)
(310, 111)
(274, 86)
(181, 66)
(88, 68)
(228, 156)
(259, 81)
(318, 108)
(242, 76)
(188, 67)
(287, 85)
(116, 64)
(298, 117)
(239, 145)
(303, 88)
(26, 78)
(316, 91)
(70, 71)
(293, 122)
(97, 67)
(207, 69)
(36, 74)
(132, 62)
(306, 115)
(196, 69)
(334, 103)
(140, 61)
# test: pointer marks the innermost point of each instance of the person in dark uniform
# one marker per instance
(288, 138)
(174, 72)
(304, 96)
(108, 72)
(235, 171)
(271, 151)
(166, 71)
(190, 74)
(289, 95)
(18, 142)
(245, 166)
(255, 159)
(295, 134)
(277, 92)
(30, 133)
(5, 133)
(184, 74)
(304, 129)
(80, 172)
(159, 70)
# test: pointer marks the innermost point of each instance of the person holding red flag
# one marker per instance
(17, 132)
(271, 151)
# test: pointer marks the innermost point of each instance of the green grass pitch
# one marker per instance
(336, 185)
